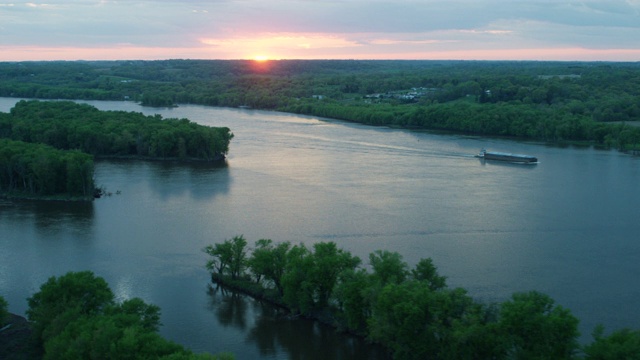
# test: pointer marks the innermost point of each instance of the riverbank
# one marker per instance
(216, 159)
(15, 340)
(258, 292)
(32, 197)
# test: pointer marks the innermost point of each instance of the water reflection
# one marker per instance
(275, 331)
(306, 339)
(51, 216)
(202, 181)
(168, 179)
(229, 306)
(484, 162)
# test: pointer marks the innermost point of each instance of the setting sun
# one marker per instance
(261, 58)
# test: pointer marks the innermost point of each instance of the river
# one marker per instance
(567, 227)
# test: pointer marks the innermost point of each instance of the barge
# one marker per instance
(501, 156)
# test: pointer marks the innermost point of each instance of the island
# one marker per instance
(47, 148)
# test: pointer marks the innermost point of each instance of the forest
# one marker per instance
(410, 311)
(557, 102)
(47, 147)
(38, 169)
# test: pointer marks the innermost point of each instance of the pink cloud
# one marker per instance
(36, 53)
(296, 49)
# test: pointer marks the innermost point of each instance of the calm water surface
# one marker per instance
(566, 226)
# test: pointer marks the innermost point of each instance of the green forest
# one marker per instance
(47, 148)
(410, 311)
(557, 102)
(38, 169)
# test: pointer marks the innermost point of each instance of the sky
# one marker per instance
(597, 30)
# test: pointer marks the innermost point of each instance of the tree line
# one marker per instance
(493, 119)
(547, 101)
(67, 125)
(410, 311)
(41, 170)
(75, 316)
(47, 148)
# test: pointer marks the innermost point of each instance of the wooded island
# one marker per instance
(47, 147)
(410, 311)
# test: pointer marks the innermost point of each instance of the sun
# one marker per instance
(261, 63)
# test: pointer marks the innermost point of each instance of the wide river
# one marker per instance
(568, 226)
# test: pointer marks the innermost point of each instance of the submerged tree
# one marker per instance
(228, 257)
(411, 312)
(269, 261)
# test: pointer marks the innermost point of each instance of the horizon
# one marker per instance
(474, 30)
(283, 60)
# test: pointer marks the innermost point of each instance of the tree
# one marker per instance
(621, 344)
(67, 125)
(221, 256)
(311, 277)
(351, 293)
(535, 328)
(238, 256)
(108, 336)
(136, 312)
(426, 271)
(228, 257)
(4, 314)
(75, 317)
(37, 169)
(328, 263)
(62, 299)
(298, 292)
(388, 267)
(270, 261)
(400, 320)
(79, 173)
(260, 259)
(416, 322)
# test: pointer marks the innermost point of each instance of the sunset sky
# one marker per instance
(607, 30)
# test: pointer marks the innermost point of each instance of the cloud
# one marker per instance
(271, 45)
(304, 28)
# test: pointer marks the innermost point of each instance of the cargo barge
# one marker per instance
(501, 156)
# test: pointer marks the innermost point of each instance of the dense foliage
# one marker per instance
(4, 314)
(47, 148)
(74, 316)
(548, 101)
(67, 125)
(41, 170)
(412, 312)
(621, 344)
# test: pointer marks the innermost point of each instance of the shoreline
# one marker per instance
(258, 292)
(52, 198)
(15, 340)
